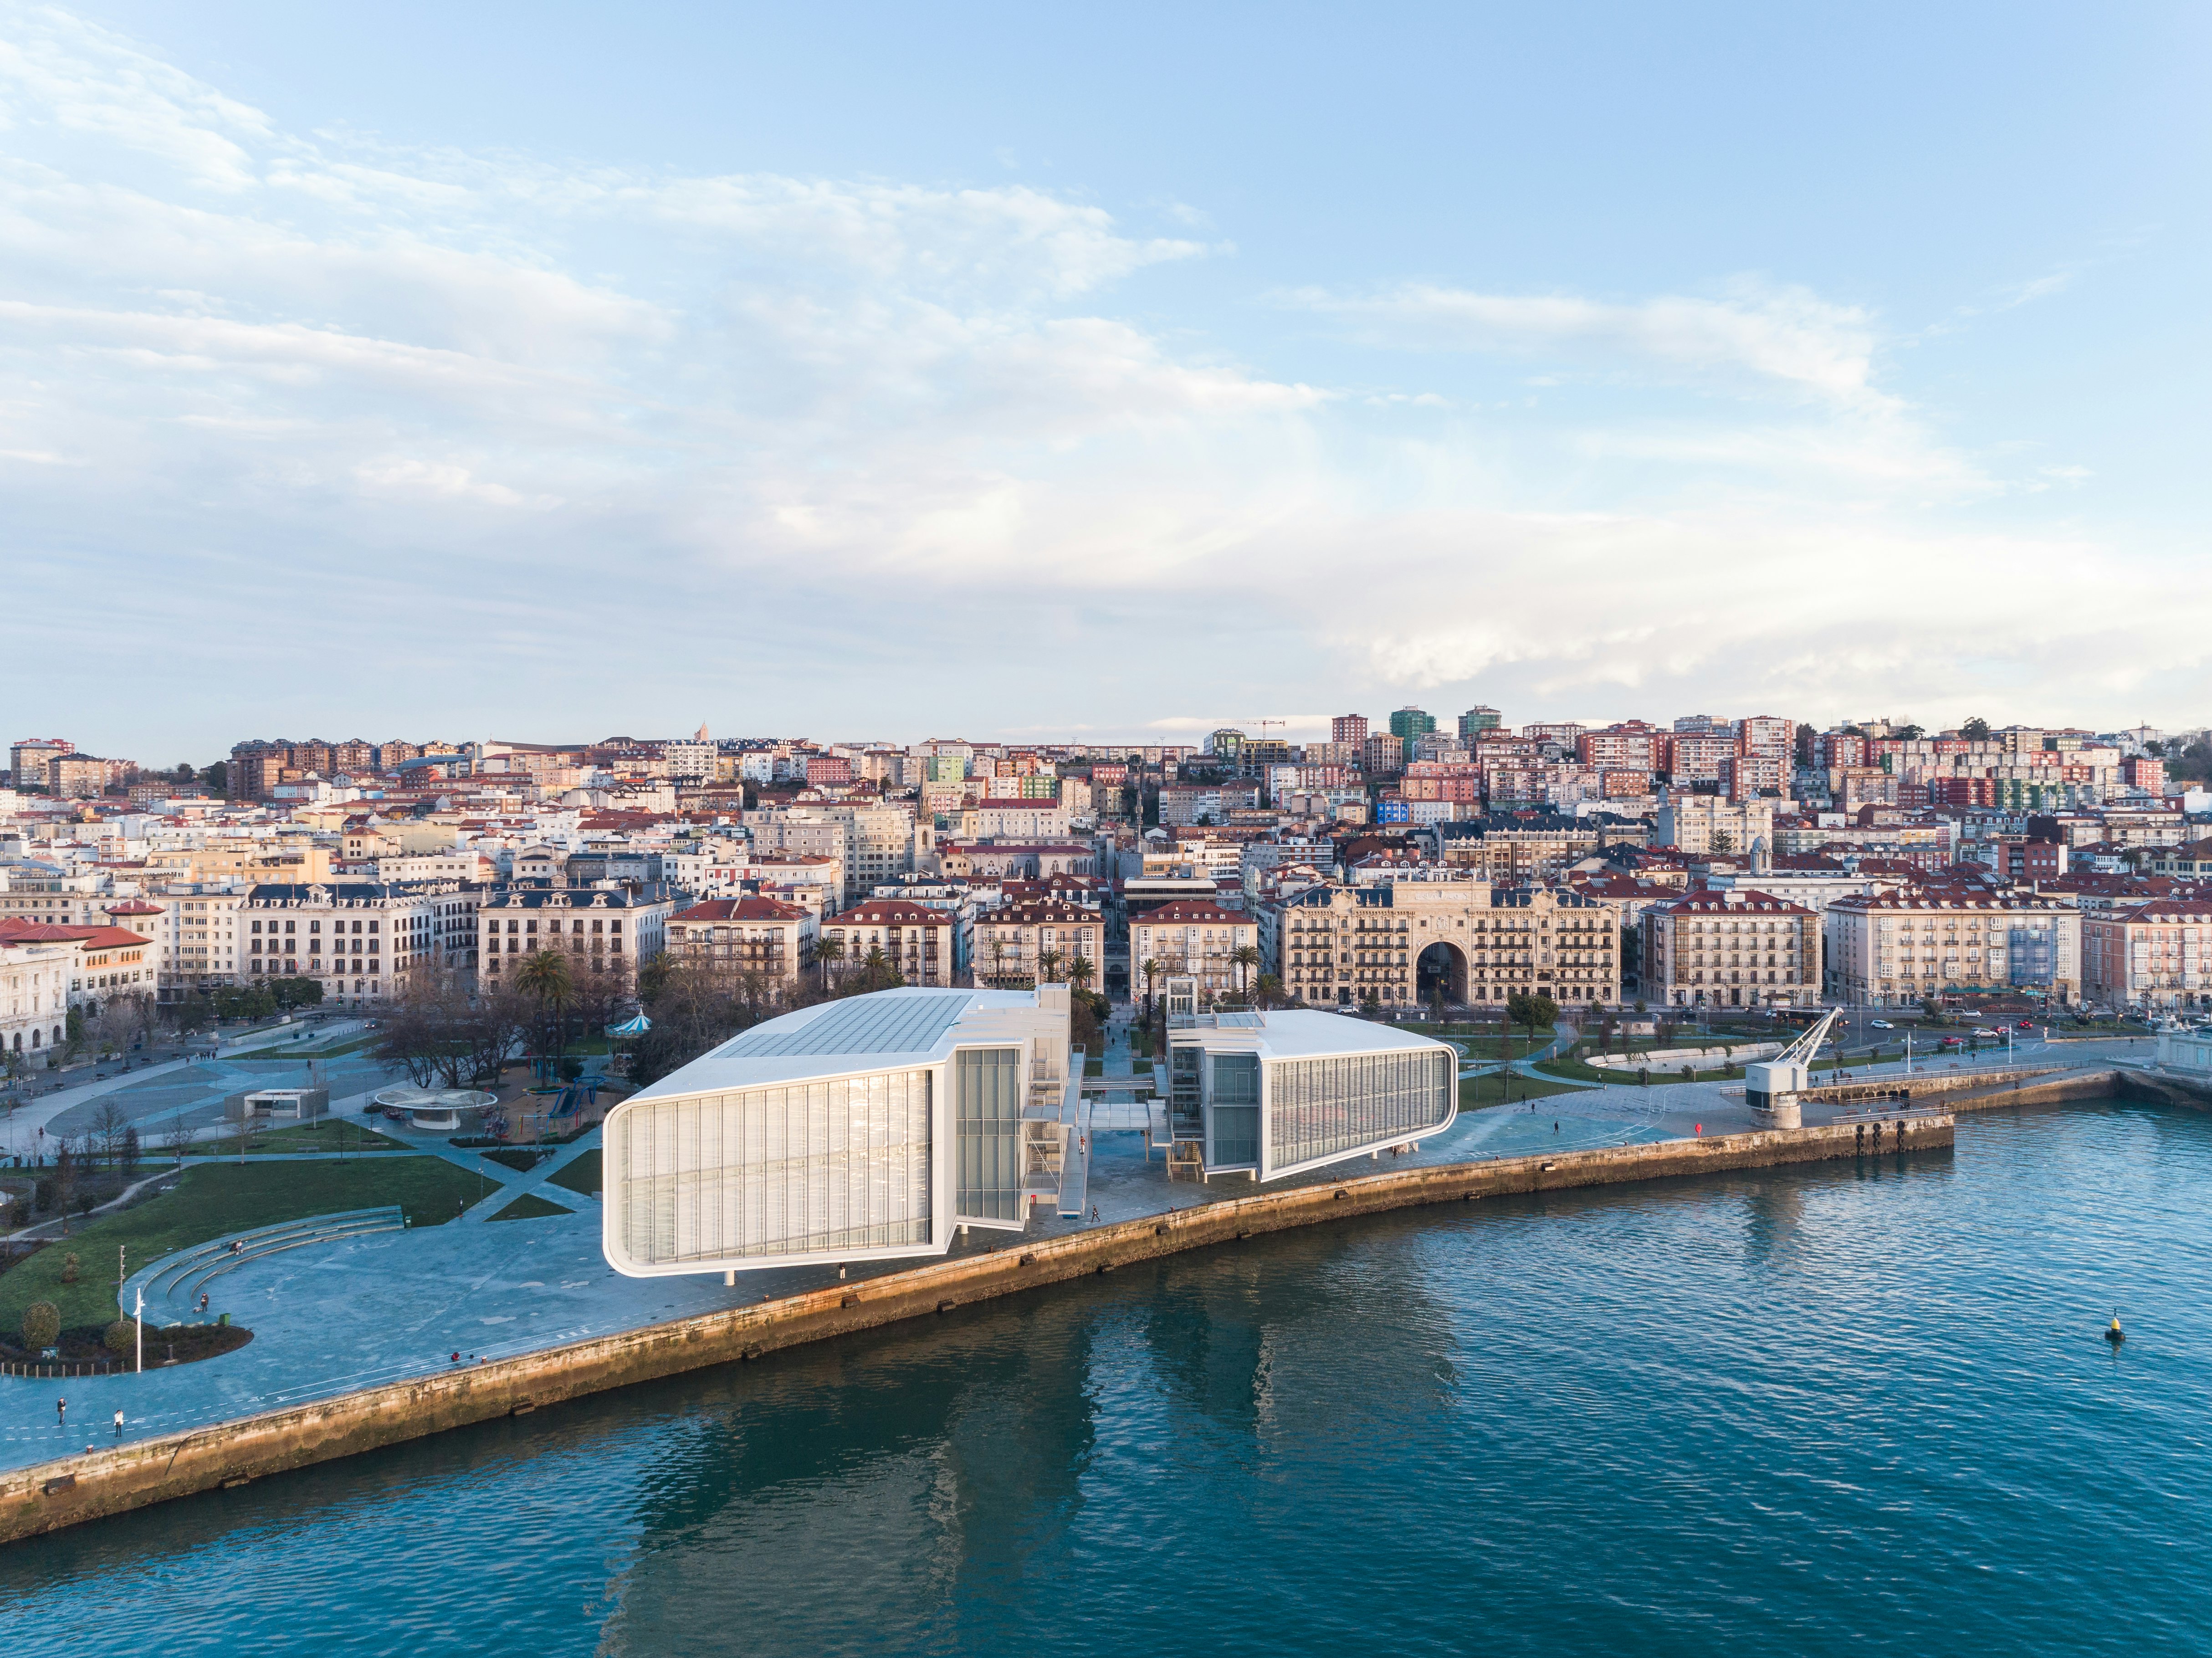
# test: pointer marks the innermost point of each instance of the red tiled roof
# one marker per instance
(742, 909)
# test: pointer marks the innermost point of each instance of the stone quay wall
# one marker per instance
(72, 1489)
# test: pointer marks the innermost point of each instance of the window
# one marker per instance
(988, 1122)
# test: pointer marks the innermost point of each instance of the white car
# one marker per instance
(1985, 1031)
(1880, 1024)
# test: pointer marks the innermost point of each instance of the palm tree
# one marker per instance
(1048, 966)
(998, 959)
(1079, 972)
(827, 953)
(1246, 956)
(1150, 966)
(545, 979)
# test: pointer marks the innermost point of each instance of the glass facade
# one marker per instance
(987, 1132)
(1234, 1107)
(828, 1165)
(1324, 1107)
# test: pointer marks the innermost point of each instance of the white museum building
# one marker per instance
(876, 1127)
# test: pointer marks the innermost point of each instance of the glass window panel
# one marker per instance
(988, 1133)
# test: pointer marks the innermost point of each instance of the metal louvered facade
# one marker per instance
(841, 1164)
(868, 1129)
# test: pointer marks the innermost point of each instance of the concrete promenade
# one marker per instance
(68, 1486)
(333, 1319)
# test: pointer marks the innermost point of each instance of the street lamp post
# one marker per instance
(139, 1326)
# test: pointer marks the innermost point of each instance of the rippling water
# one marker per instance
(1843, 1409)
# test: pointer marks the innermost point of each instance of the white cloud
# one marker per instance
(831, 446)
(1783, 337)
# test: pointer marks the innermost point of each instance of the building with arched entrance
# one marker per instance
(1397, 943)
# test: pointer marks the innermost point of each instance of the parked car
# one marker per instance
(1880, 1024)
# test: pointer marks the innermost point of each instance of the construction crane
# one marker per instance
(1771, 1086)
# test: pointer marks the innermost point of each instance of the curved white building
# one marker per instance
(874, 1127)
(865, 1129)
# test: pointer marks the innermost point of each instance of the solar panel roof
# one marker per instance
(866, 1024)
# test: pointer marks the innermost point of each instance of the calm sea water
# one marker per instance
(1849, 1409)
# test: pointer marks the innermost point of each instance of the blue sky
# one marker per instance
(554, 372)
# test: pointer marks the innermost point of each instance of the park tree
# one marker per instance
(1976, 730)
(550, 988)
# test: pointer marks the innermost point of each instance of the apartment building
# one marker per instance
(1193, 938)
(1742, 949)
(921, 941)
(1896, 948)
(1012, 942)
(610, 931)
(198, 938)
(744, 936)
(871, 843)
(1708, 823)
(2157, 955)
(366, 941)
(97, 963)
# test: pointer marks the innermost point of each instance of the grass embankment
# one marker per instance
(580, 1175)
(530, 1206)
(1094, 1067)
(1502, 1088)
(211, 1200)
(333, 1134)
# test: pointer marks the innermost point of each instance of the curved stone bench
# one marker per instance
(218, 1257)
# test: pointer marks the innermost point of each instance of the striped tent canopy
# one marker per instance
(635, 1026)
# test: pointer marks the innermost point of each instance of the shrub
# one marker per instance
(42, 1325)
(69, 1275)
(121, 1337)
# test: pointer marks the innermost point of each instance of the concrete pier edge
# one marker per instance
(70, 1490)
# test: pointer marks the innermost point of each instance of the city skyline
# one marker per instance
(1592, 387)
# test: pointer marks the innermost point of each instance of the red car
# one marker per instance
(1949, 1042)
(2025, 1024)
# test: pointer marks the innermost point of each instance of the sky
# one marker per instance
(557, 372)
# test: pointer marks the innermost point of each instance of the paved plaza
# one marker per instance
(331, 1317)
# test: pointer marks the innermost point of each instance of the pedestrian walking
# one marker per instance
(118, 1424)
(1094, 1211)
(61, 1413)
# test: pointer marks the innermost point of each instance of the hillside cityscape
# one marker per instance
(713, 882)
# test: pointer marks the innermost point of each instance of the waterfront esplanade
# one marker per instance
(1282, 1092)
(871, 1128)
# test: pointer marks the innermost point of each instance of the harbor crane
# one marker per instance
(1771, 1086)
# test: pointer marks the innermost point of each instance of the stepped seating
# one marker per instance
(189, 1271)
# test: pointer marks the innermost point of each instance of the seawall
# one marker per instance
(98, 1484)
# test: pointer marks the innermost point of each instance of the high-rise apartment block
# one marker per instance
(1407, 723)
(1349, 728)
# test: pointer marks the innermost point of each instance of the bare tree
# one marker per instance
(109, 1125)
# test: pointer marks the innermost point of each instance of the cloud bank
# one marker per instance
(334, 432)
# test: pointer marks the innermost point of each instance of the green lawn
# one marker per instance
(581, 1174)
(530, 1206)
(212, 1199)
(1094, 1067)
(336, 1134)
(1499, 1088)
